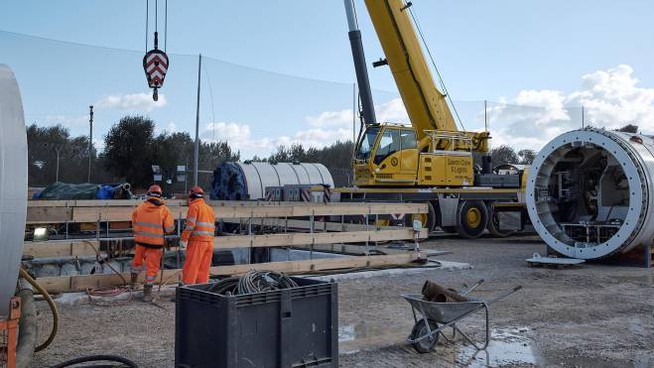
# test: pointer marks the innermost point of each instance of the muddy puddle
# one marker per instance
(507, 346)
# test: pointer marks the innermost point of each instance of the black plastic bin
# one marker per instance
(296, 327)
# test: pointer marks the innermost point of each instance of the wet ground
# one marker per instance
(590, 316)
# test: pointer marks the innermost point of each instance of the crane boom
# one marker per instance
(426, 106)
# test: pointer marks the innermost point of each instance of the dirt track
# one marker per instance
(592, 316)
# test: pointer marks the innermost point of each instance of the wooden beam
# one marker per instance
(291, 239)
(65, 248)
(227, 209)
(43, 215)
(86, 247)
(293, 224)
(80, 283)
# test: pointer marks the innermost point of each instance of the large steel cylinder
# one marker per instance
(13, 184)
(249, 180)
(590, 193)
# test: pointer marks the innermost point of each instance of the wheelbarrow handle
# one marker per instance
(473, 287)
(504, 295)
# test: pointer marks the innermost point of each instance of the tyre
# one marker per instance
(428, 219)
(472, 219)
(494, 225)
(420, 329)
(449, 229)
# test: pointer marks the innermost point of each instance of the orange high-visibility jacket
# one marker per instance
(150, 221)
(200, 222)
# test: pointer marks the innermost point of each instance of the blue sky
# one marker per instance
(281, 71)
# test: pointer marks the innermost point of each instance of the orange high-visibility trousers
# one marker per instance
(197, 262)
(152, 258)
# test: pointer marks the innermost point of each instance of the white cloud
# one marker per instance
(331, 119)
(392, 111)
(98, 144)
(132, 101)
(68, 120)
(239, 137)
(323, 130)
(170, 128)
(611, 99)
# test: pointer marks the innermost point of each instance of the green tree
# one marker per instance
(629, 128)
(526, 156)
(128, 150)
(211, 155)
(282, 155)
(45, 144)
(503, 155)
(337, 158)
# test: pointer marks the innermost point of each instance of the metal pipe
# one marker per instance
(90, 141)
(196, 148)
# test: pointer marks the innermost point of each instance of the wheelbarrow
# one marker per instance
(437, 316)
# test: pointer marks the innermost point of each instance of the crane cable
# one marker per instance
(438, 73)
(156, 22)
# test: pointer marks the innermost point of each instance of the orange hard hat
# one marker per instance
(155, 191)
(196, 192)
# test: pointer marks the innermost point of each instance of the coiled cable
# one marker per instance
(253, 282)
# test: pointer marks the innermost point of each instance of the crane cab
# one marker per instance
(391, 155)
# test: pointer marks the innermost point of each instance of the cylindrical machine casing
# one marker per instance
(590, 193)
(13, 184)
(248, 181)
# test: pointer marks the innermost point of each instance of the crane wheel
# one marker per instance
(494, 225)
(428, 219)
(472, 218)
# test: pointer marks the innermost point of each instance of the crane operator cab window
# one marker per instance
(367, 143)
(389, 143)
(408, 139)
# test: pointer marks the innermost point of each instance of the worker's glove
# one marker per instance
(183, 244)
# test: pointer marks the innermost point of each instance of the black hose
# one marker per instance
(253, 282)
(97, 358)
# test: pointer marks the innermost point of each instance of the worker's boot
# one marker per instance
(147, 293)
(133, 279)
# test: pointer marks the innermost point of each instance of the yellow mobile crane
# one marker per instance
(430, 161)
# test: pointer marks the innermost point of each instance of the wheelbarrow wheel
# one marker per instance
(420, 329)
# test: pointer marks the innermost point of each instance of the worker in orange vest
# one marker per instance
(198, 236)
(150, 222)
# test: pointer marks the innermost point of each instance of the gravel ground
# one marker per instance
(590, 316)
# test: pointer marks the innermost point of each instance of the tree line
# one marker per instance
(131, 147)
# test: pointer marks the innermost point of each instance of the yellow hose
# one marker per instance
(51, 303)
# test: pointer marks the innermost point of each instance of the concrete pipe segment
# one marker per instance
(13, 184)
(590, 193)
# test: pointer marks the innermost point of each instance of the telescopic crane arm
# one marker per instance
(426, 106)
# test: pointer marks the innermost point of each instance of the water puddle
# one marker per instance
(507, 347)
(346, 333)
(361, 336)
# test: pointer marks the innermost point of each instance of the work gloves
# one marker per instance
(183, 244)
